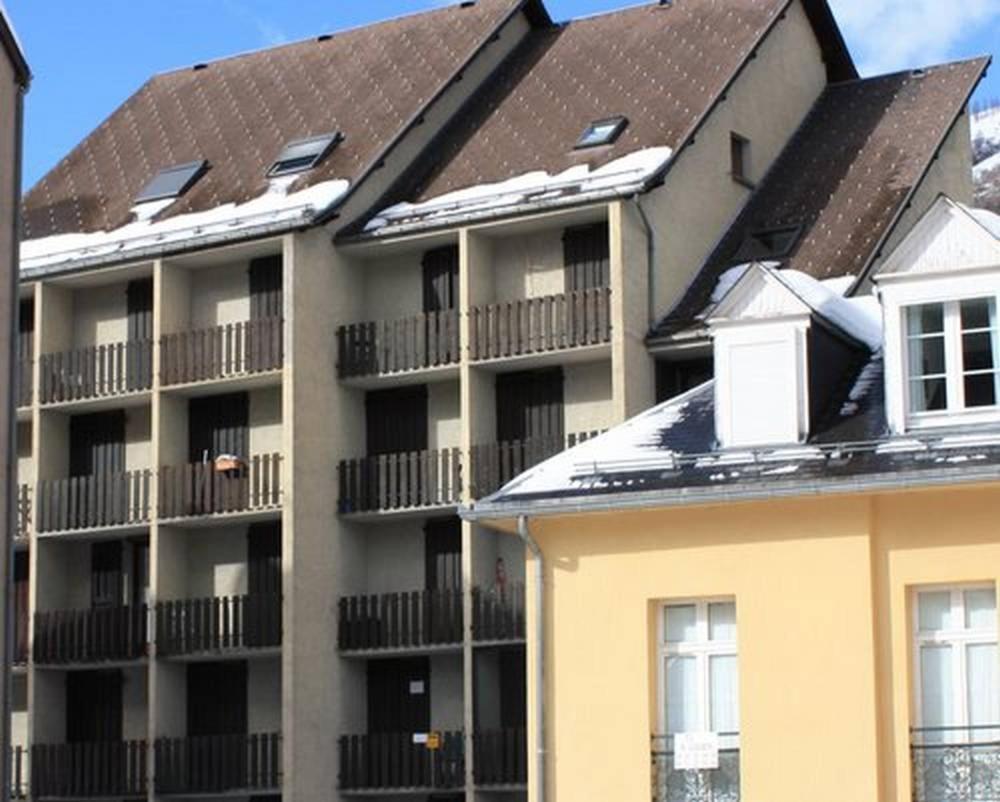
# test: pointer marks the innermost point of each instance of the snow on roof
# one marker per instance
(987, 219)
(859, 317)
(627, 174)
(275, 207)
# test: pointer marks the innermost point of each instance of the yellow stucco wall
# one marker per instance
(821, 588)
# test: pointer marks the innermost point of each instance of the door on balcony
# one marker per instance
(399, 695)
(443, 554)
(513, 689)
(139, 360)
(586, 255)
(217, 698)
(218, 425)
(396, 420)
(530, 418)
(440, 269)
(21, 585)
(94, 706)
(97, 443)
(266, 310)
(263, 612)
(107, 581)
(25, 349)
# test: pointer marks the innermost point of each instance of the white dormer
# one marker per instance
(940, 291)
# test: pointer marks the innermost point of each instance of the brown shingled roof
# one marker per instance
(662, 67)
(845, 176)
(239, 112)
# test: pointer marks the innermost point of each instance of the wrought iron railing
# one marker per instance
(402, 761)
(671, 784)
(400, 620)
(956, 764)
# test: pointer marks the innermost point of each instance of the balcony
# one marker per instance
(500, 758)
(671, 784)
(114, 769)
(218, 625)
(101, 635)
(25, 380)
(99, 371)
(23, 522)
(956, 764)
(231, 351)
(101, 501)
(495, 464)
(540, 325)
(204, 488)
(401, 762)
(218, 764)
(18, 767)
(401, 622)
(401, 482)
(498, 614)
(388, 347)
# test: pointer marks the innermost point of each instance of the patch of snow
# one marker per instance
(839, 285)
(784, 470)
(903, 445)
(862, 385)
(727, 281)
(969, 440)
(859, 317)
(149, 209)
(987, 219)
(986, 125)
(274, 207)
(627, 173)
(987, 165)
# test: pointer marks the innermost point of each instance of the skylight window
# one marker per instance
(304, 154)
(172, 182)
(768, 243)
(602, 132)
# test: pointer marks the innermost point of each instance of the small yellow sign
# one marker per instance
(434, 740)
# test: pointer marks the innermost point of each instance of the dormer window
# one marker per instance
(304, 154)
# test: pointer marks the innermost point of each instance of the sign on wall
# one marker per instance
(696, 751)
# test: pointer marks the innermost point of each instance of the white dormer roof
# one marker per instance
(949, 238)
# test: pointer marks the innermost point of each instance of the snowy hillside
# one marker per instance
(986, 157)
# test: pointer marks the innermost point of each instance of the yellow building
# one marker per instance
(782, 585)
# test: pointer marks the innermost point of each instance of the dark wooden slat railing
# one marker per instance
(18, 762)
(536, 325)
(97, 371)
(222, 352)
(25, 380)
(400, 620)
(500, 757)
(495, 464)
(498, 613)
(88, 770)
(200, 489)
(391, 346)
(22, 627)
(401, 481)
(218, 624)
(394, 761)
(23, 512)
(217, 764)
(103, 634)
(92, 502)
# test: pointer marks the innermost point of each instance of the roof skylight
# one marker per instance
(172, 182)
(602, 132)
(770, 243)
(304, 154)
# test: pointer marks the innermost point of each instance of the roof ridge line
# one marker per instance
(910, 70)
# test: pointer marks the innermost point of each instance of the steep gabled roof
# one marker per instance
(845, 177)
(238, 113)
(12, 46)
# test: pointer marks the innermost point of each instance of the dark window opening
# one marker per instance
(217, 698)
(396, 420)
(768, 243)
(440, 268)
(217, 425)
(602, 132)
(97, 443)
(94, 706)
(172, 182)
(586, 256)
(266, 291)
(304, 154)
(739, 149)
(530, 405)
(399, 695)
(443, 554)
(107, 580)
(676, 377)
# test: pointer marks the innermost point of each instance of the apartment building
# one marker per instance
(782, 584)
(284, 313)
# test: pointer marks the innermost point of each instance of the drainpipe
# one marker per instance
(529, 541)
(650, 263)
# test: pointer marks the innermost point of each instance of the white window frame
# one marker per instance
(702, 649)
(958, 639)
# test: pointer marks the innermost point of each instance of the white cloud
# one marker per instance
(889, 35)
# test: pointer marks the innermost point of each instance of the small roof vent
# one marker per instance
(304, 154)
(172, 182)
(602, 132)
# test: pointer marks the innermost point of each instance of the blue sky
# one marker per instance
(90, 56)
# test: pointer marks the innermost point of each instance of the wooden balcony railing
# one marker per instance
(22, 627)
(218, 764)
(220, 624)
(93, 502)
(25, 380)
(392, 346)
(19, 776)
(115, 769)
(400, 620)
(100, 635)
(401, 481)
(498, 613)
(99, 371)
(500, 757)
(201, 489)
(537, 325)
(390, 761)
(671, 784)
(495, 464)
(23, 512)
(222, 352)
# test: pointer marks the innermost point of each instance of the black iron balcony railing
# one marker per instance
(99, 371)
(394, 346)
(201, 488)
(500, 757)
(400, 620)
(19, 776)
(220, 624)
(115, 769)
(495, 464)
(218, 764)
(389, 482)
(498, 613)
(222, 352)
(402, 762)
(956, 764)
(23, 512)
(671, 784)
(100, 635)
(93, 502)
